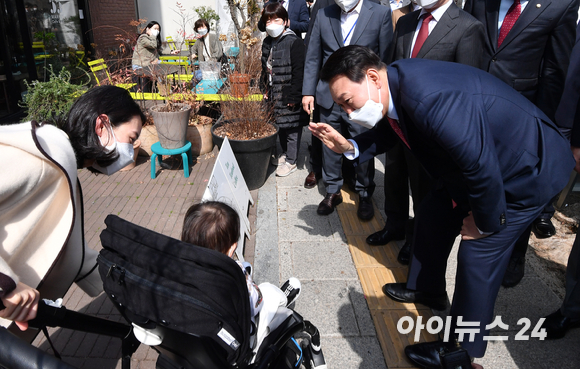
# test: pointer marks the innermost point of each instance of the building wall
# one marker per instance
(165, 12)
(110, 18)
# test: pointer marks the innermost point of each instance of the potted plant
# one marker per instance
(51, 99)
(247, 122)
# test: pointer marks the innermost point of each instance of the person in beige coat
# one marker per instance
(42, 246)
(148, 47)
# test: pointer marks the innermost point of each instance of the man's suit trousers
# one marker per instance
(481, 263)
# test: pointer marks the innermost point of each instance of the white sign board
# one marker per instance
(226, 184)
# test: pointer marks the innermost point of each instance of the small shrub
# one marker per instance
(46, 101)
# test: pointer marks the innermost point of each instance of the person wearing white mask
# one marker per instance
(281, 82)
(484, 145)
(148, 47)
(207, 47)
(43, 250)
(347, 22)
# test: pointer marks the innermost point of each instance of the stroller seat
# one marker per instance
(194, 303)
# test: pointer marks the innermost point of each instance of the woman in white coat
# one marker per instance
(42, 247)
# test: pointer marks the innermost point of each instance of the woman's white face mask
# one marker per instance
(125, 151)
(371, 112)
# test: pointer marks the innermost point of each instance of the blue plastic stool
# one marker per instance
(185, 152)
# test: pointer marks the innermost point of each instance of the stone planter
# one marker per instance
(200, 137)
(253, 156)
(171, 126)
(148, 137)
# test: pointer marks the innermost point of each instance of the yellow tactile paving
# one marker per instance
(377, 266)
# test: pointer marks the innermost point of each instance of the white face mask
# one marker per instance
(154, 32)
(275, 30)
(371, 112)
(202, 31)
(427, 4)
(346, 5)
(125, 151)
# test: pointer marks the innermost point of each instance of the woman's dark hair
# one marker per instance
(213, 225)
(199, 23)
(116, 103)
(351, 61)
(272, 11)
(149, 25)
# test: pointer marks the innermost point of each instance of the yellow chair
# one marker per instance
(99, 67)
(171, 43)
(189, 43)
(182, 61)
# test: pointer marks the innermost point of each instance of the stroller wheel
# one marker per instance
(313, 359)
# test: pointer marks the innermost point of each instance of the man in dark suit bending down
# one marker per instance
(439, 31)
(529, 45)
(488, 149)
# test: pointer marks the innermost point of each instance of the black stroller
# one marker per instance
(189, 303)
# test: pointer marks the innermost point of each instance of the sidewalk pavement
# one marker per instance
(292, 240)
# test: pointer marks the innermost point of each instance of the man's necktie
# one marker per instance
(508, 22)
(397, 128)
(423, 34)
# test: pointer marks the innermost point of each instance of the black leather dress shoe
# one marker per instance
(405, 254)
(543, 228)
(514, 272)
(365, 211)
(426, 354)
(399, 292)
(327, 205)
(311, 180)
(557, 325)
(384, 236)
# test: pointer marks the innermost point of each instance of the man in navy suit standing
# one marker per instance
(529, 45)
(495, 157)
(347, 22)
(568, 116)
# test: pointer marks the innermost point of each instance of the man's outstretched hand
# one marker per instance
(331, 138)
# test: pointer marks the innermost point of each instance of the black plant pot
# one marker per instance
(253, 156)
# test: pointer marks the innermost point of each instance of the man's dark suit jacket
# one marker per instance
(457, 37)
(568, 113)
(373, 29)
(297, 14)
(489, 146)
(534, 57)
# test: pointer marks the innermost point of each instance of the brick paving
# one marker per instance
(158, 204)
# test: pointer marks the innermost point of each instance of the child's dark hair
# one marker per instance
(213, 225)
(272, 11)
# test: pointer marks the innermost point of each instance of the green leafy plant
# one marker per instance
(207, 13)
(51, 99)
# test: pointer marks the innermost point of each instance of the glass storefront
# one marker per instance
(34, 35)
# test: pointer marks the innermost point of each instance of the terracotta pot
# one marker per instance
(239, 84)
(136, 147)
(200, 138)
(148, 137)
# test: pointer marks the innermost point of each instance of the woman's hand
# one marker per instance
(20, 305)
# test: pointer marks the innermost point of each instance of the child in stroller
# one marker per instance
(215, 225)
(191, 302)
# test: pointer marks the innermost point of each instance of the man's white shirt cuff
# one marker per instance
(352, 154)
